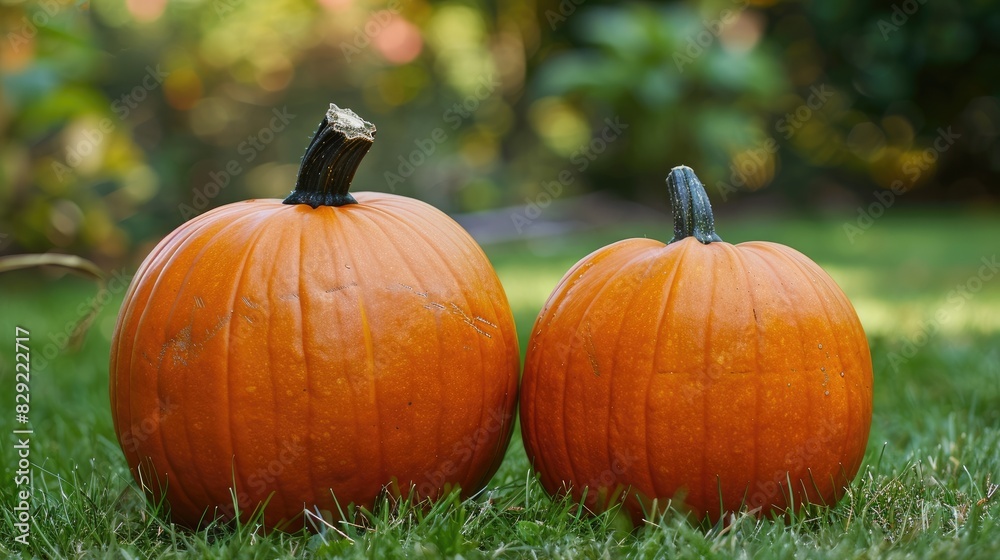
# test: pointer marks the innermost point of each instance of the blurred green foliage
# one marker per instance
(120, 119)
(815, 100)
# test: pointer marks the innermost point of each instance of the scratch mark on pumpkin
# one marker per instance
(468, 321)
(180, 342)
(210, 333)
(477, 329)
(458, 310)
(253, 312)
(412, 289)
(199, 303)
(341, 288)
(185, 347)
(481, 320)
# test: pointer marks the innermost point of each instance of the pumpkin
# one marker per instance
(311, 353)
(708, 376)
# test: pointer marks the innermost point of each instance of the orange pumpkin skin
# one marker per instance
(309, 357)
(710, 374)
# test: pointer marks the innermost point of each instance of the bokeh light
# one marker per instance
(398, 41)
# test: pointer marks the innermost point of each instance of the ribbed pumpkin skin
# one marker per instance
(697, 372)
(302, 352)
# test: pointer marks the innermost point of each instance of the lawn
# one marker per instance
(923, 489)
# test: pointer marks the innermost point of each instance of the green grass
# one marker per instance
(935, 442)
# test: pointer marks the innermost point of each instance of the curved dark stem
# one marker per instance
(690, 206)
(332, 158)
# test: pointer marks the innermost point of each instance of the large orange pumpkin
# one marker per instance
(711, 376)
(312, 353)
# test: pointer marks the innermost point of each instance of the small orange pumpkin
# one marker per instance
(310, 353)
(717, 376)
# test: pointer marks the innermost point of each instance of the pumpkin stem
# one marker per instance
(330, 161)
(691, 209)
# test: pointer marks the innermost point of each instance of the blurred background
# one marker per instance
(115, 115)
